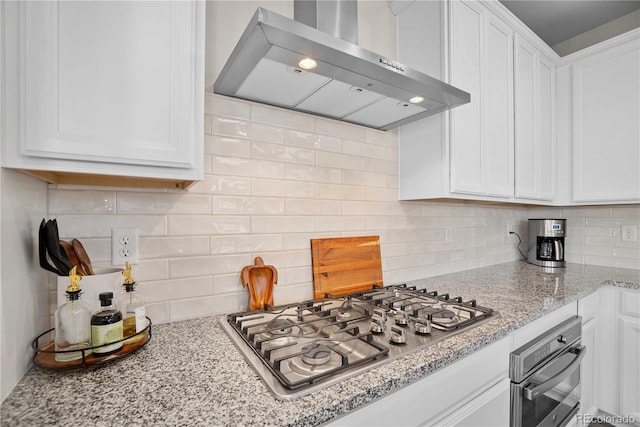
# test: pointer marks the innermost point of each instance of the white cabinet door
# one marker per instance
(489, 409)
(629, 368)
(481, 131)
(534, 111)
(606, 135)
(629, 347)
(443, 394)
(590, 387)
(619, 380)
(498, 109)
(113, 88)
(467, 55)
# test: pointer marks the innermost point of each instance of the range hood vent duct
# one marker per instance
(346, 82)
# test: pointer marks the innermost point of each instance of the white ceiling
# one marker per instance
(555, 21)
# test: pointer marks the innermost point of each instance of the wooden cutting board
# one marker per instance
(345, 264)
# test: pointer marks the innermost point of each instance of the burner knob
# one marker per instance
(377, 325)
(380, 313)
(397, 335)
(422, 326)
(402, 318)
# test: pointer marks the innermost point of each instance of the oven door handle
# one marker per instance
(531, 393)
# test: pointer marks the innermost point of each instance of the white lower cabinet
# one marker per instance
(628, 323)
(610, 373)
(460, 394)
(589, 309)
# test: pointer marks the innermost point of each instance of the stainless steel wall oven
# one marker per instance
(545, 377)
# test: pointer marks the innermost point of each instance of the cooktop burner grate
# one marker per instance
(296, 348)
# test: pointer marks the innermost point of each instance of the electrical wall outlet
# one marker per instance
(629, 233)
(124, 246)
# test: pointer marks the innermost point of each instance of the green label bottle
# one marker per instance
(106, 327)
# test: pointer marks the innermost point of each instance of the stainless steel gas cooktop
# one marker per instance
(299, 348)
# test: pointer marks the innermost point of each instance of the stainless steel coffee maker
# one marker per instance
(546, 242)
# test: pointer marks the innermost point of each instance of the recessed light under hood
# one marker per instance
(347, 83)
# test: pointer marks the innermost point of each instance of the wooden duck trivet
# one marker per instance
(260, 279)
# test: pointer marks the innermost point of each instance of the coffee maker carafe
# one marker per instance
(546, 242)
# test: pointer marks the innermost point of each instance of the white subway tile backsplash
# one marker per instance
(282, 188)
(81, 202)
(159, 312)
(227, 146)
(215, 184)
(246, 243)
(313, 207)
(208, 306)
(300, 275)
(82, 226)
(151, 270)
(248, 205)
(292, 293)
(281, 118)
(369, 179)
(228, 283)
(264, 150)
(342, 161)
(274, 180)
(207, 265)
(247, 167)
(167, 290)
(339, 129)
(294, 241)
(166, 247)
(382, 166)
(340, 192)
(198, 225)
(313, 173)
(339, 223)
(381, 194)
(227, 107)
(632, 212)
(379, 137)
(245, 129)
(283, 224)
(162, 203)
(363, 149)
(312, 141)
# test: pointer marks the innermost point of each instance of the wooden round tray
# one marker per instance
(45, 356)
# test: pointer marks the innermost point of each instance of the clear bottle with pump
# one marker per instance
(133, 309)
(106, 327)
(73, 323)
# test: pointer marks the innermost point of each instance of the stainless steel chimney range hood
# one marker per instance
(348, 83)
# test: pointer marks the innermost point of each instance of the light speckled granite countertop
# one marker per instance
(191, 374)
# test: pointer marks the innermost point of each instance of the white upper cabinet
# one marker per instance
(539, 129)
(95, 89)
(481, 131)
(467, 153)
(605, 129)
(535, 148)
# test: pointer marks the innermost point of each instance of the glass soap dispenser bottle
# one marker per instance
(73, 323)
(106, 327)
(133, 309)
